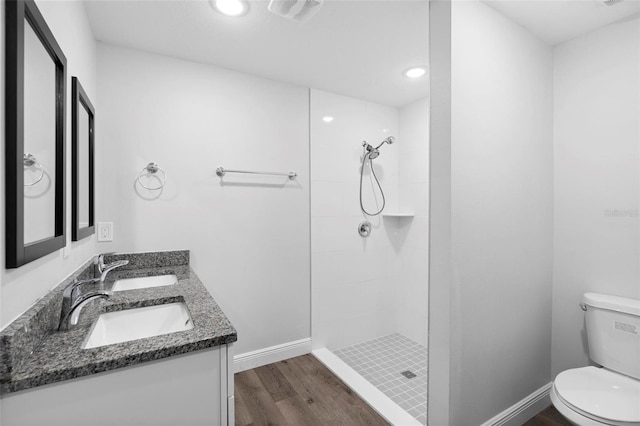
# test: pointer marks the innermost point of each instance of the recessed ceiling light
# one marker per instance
(415, 72)
(230, 7)
(327, 119)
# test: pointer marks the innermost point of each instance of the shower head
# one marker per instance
(372, 152)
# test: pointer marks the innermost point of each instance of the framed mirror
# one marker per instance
(35, 130)
(82, 144)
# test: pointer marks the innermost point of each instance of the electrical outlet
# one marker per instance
(105, 231)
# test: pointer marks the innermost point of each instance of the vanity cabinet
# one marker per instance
(182, 378)
(191, 389)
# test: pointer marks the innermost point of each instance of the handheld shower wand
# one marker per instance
(371, 153)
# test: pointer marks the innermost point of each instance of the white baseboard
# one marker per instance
(520, 412)
(249, 360)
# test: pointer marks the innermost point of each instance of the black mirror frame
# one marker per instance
(80, 102)
(17, 12)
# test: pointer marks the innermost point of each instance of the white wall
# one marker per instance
(596, 148)
(352, 276)
(502, 196)
(444, 372)
(23, 286)
(411, 237)
(248, 235)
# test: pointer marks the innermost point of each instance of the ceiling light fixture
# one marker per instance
(415, 72)
(230, 7)
(327, 119)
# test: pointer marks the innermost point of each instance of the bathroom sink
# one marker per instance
(138, 323)
(144, 282)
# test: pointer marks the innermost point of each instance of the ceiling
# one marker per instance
(557, 21)
(354, 48)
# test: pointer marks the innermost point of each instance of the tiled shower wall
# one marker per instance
(363, 288)
(352, 299)
(412, 275)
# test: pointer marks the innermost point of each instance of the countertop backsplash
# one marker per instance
(20, 338)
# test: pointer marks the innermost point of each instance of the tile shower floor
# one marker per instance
(383, 360)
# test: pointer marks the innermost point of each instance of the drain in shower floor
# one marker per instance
(408, 374)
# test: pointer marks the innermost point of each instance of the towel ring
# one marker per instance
(153, 168)
(29, 160)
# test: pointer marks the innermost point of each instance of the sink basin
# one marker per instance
(144, 282)
(132, 324)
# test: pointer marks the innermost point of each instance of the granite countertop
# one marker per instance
(59, 355)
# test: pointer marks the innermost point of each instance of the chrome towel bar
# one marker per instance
(221, 171)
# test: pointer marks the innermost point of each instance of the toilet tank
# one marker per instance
(613, 332)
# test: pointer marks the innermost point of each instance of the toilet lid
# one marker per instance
(601, 393)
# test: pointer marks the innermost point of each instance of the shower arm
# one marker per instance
(368, 147)
(388, 140)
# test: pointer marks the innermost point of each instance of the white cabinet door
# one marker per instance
(180, 390)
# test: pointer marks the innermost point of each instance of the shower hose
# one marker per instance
(367, 156)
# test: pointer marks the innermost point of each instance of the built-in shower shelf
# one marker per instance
(397, 214)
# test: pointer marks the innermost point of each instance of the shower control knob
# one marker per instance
(364, 229)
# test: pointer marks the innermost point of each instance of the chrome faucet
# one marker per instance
(99, 260)
(72, 302)
(105, 269)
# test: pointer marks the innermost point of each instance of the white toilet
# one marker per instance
(607, 395)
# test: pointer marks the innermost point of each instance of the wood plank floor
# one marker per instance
(548, 417)
(299, 391)
(302, 392)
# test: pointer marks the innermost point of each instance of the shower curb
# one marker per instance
(381, 403)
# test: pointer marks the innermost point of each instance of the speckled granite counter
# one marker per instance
(33, 353)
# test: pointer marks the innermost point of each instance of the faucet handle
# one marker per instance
(100, 257)
(99, 260)
(111, 266)
(71, 288)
